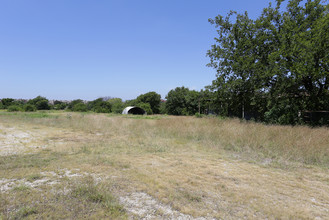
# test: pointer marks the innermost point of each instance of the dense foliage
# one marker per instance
(117, 105)
(153, 99)
(99, 106)
(41, 103)
(273, 68)
(182, 101)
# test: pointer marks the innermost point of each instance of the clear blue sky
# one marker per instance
(69, 49)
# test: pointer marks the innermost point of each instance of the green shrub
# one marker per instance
(42, 105)
(163, 109)
(117, 105)
(198, 115)
(6, 102)
(80, 107)
(99, 106)
(73, 103)
(14, 108)
(29, 108)
(60, 106)
(146, 107)
(102, 107)
(152, 98)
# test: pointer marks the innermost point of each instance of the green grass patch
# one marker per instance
(39, 160)
(21, 188)
(91, 192)
(38, 114)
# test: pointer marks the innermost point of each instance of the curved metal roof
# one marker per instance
(133, 110)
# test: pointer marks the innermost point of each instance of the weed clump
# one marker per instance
(25, 212)
(88, 190)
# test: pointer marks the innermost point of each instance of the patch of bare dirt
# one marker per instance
(143, 206)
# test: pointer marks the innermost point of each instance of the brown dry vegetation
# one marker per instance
(200, 167)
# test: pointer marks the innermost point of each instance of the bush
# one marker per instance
(14, 108)
(60, 106)
(29, 108)
(42, 105)
(146, 107)
(6, 102)
(73, 103)
(152, 98)
(103, 107)
(80, 107)
(117, 105)
(182, 101)
(198, 115)
(99, 106)
(163, 109)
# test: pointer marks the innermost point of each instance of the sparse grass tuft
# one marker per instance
(34, 177)
(21, 188)
(87, 189)
(38, 160)
(190, 196)
(25, 212)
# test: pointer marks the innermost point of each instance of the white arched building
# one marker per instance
(133, 110)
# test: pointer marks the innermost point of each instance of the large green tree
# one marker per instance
(275, 65)
(153, 99)
(182, 101)
(41, 103)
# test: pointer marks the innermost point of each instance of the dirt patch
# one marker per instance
(9, 184)
(25, 139)
(143, 206)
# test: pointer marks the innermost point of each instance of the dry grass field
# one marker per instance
(97, 166)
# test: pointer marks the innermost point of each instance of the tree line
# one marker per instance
(180, 101)
(272, 69)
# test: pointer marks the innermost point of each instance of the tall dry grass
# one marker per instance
(180, 161)
(260, 142)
